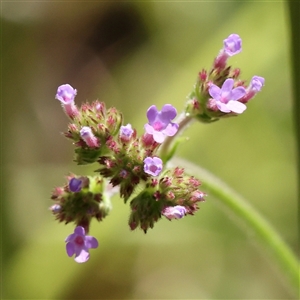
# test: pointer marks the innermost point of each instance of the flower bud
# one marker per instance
(89, 138)
(75, 185)
(126, 133)
(254, 87)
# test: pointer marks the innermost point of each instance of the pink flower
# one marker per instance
(226, 97)
(160, 125)
(79, 244)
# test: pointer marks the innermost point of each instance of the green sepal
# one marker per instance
(87, 155)
(204, 118)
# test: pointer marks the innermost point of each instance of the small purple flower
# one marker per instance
(66, 94)
(254, 87)
(226, 97)
(75, 185)
(79, 244)
(174, 212)
(257, 83)
(153, 166)
(126, 132)
(233, 44)
(87, 135)
(160, 124)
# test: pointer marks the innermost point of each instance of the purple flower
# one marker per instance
(254, 87)
(160, 124)
(75, 185)
(153, 166)
(257, 83)
(87, 135)
(65, 94)
(79, 244)
(226, 97)
(233, 44)
(174, 212)
(126, 132)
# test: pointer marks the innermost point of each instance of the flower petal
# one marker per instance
(238, 93)
(158, 137)
(227, 85)
(157, 161)
(91, 242)
(236, 107)
(215, 92)
(222, 107)
(152, 113)
(149, 129)
(70, 247)
(70, 237)
(167, 113)
(171, 129)
(79, 230)
(83, 256)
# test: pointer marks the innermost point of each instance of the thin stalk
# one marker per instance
(269, 239)
(183, 120)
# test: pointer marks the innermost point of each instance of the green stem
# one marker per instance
(280, 252)
(183, 120)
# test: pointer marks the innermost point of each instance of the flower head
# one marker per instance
(79, 244)
(174, 212)
(66, 94)
(75, 185)
(160, 124)
(232, 44)
(153, 166)
(226, 97)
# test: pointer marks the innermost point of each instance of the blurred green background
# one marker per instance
(132, 55)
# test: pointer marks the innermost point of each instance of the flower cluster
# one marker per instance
(81, 199)
(219, 92)
(173, 194)
(126, 160)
